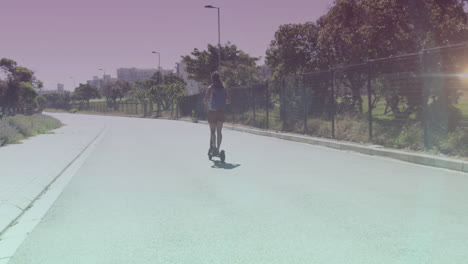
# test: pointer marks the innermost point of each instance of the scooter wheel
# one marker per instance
(222, 156)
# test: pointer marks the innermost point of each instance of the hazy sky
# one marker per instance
(59, 39)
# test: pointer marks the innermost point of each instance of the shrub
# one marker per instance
(8, 134)
(74, 110)
(22, 124)
(352, 129)
(13, 129)
(411, 137)
(457, 143)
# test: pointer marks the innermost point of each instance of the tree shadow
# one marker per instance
(222, 165)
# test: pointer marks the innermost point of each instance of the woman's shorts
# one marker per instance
(215, 116)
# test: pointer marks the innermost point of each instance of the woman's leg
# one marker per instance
(213, 135)
(219, 127)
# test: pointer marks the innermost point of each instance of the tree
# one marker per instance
(86, 92)
(354, 31)
(41, 102)
(140, 92)
(115, 90)
(294, 49)
(19, 86)
(58, 100)
(238, 66)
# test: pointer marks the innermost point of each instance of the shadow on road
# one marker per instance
(220, 165)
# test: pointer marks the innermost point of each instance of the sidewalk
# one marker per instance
(27, 169)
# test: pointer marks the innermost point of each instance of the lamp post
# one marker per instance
(74, 85)
(159, 77)
(159, 65)
(219, 35)
(103, 80)
(104, 73)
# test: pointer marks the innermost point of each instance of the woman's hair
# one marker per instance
(216, 79)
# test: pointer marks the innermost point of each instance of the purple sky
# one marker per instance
(63, 38)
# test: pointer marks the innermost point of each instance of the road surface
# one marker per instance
(148, 194)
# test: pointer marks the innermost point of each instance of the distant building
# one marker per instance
(193, 87)
(133, 75)
(100, 83)
(60, 90)
(60, 87)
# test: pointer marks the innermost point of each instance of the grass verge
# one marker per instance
(15, 128)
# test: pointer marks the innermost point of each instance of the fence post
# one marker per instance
(333, 103)
(304, 93)
(425, 98)
(369, 98)
(267, 106)
(242, 109)
(282, 105)
(253, 98)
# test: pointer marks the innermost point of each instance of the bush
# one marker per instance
(74, 110)
(352, 129)
(457, 143)
(319, 127)
(411, 137)
(23, 124)
(8, 134)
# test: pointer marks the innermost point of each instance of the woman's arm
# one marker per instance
(208, 95)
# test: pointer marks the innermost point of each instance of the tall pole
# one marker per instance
(219, 41)
(104, 73)
(159, 79)
(219, 34)
(159, 65)
(103, 80)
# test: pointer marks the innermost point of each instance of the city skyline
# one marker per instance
(63, 39)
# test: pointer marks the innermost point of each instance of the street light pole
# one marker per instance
(103, 80)
(74, 85)
(159, 79)
(219, 34)
(159, 65)
(104, 73)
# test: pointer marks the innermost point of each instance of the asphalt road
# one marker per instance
(149, 194)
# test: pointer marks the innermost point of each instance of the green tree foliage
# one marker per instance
(140, 92)
(116, 90)
(353, 31)
(57, 100)
(85, 92)
(19, 86)
(294, 49)
(41, 102)
(173, 89)
(166, 93)
(237, 67)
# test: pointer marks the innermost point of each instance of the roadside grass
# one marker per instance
(54, 110)
(16, 128)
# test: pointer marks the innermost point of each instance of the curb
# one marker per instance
(15, 208)
(416, 158)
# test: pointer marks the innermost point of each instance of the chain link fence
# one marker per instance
(16, 109)
(417, 101)
(126, 107)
